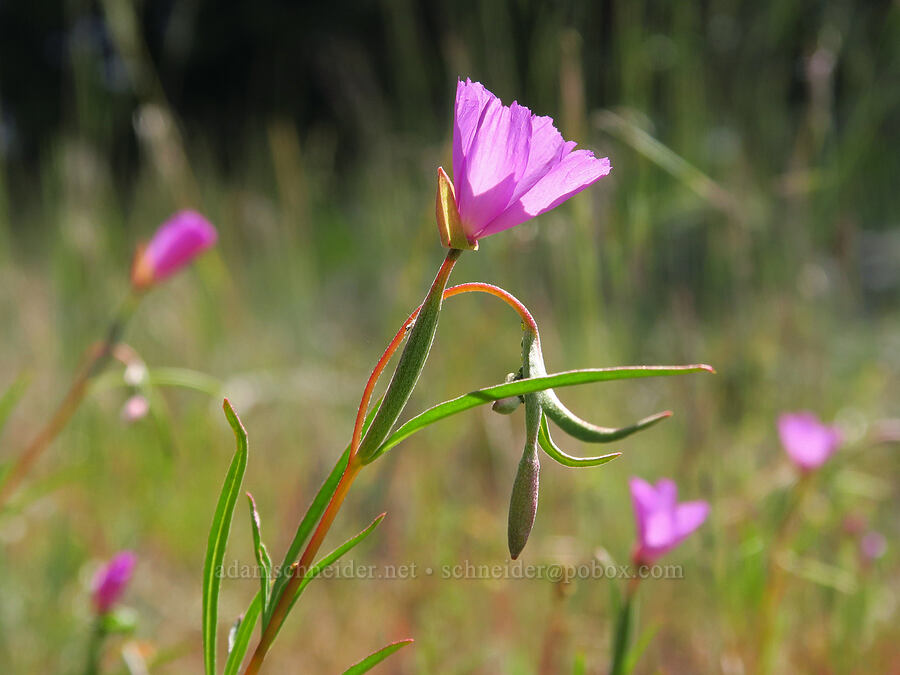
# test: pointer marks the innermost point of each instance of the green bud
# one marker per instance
(524, 499)
(508, 405)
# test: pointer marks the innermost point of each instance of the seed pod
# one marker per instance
(508, 405)
(524, 499)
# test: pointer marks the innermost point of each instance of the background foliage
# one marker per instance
(750, 222)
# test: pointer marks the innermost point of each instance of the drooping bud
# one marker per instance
(447, 214)
(524, 499)
(508, 405)
(175, 244)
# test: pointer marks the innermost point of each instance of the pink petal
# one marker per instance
(471, 100)
(689, 516)
(110, 582)
(807, 441)
(643, 498)
(574, 173)
(494, 164)
(177, 242)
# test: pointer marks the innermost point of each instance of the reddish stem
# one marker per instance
(353, 466)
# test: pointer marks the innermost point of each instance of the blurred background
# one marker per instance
(750, 222)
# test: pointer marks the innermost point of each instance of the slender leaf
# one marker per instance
(578, 428)
(527, 386)
(373, 660)
(263, 561)
(316, 569)
(242, 636)
(218, 539)
(555, 453)
(312, 516)
(11, 397)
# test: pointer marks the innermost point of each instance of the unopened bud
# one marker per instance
(447, 215)
(524, 499)
(508, 405)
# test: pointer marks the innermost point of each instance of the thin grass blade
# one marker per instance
(218, 539)
(242, 637)
(373, 660)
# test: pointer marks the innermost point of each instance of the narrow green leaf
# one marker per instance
(218, 539)
(263, 561)
(555, 453)
(527, 386)
(11, 397)
(312, 516)
(316, 569)
(373, 660)
(242, 637)
(578, 428)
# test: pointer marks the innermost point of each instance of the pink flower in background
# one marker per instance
(176, 243)
(662, 523)
(135, 408)
(806, 440)
(510, 165)
(872, 545)
(110, 581)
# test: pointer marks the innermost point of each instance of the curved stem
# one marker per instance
(354, 465)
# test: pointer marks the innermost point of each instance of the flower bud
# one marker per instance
(524, 499)
(508, 405)
(176, 243)
(110, 582)
(449, 225)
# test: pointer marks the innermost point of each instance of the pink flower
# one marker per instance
(662, 523)
(806, 440)
(135, 408)
(872, 545)
(510, 165)
(176, 243)
(110, 581)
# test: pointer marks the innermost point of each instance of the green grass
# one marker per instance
(729, 233)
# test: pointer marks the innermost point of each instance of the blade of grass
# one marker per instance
(528, 386)
(374, 659)
(263, 561)
(218, 539)
(11, 397)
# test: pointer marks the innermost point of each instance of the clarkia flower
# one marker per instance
(662, 523)
(176, 243)
(110, 581)
(807, 441)
(508, 167)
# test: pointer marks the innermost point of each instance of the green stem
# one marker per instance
(95, 647)
(623, 632)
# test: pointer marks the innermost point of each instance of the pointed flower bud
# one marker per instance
(807, 441)
(662, 523)
(447, 215)
(111, 580)
(510, 165)
(523, 501)
(176, 243)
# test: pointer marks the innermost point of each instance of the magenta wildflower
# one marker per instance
(807, 441)
(135, 408)
(510, 165)
(176, 243)
(872, 545)
(662, 523)
(110, 581)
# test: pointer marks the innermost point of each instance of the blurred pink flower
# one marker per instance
(806, 440)
(662, 523)
(510, 165)
(135, 408)
(176, 243)
(872, 545)
(110, 581)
